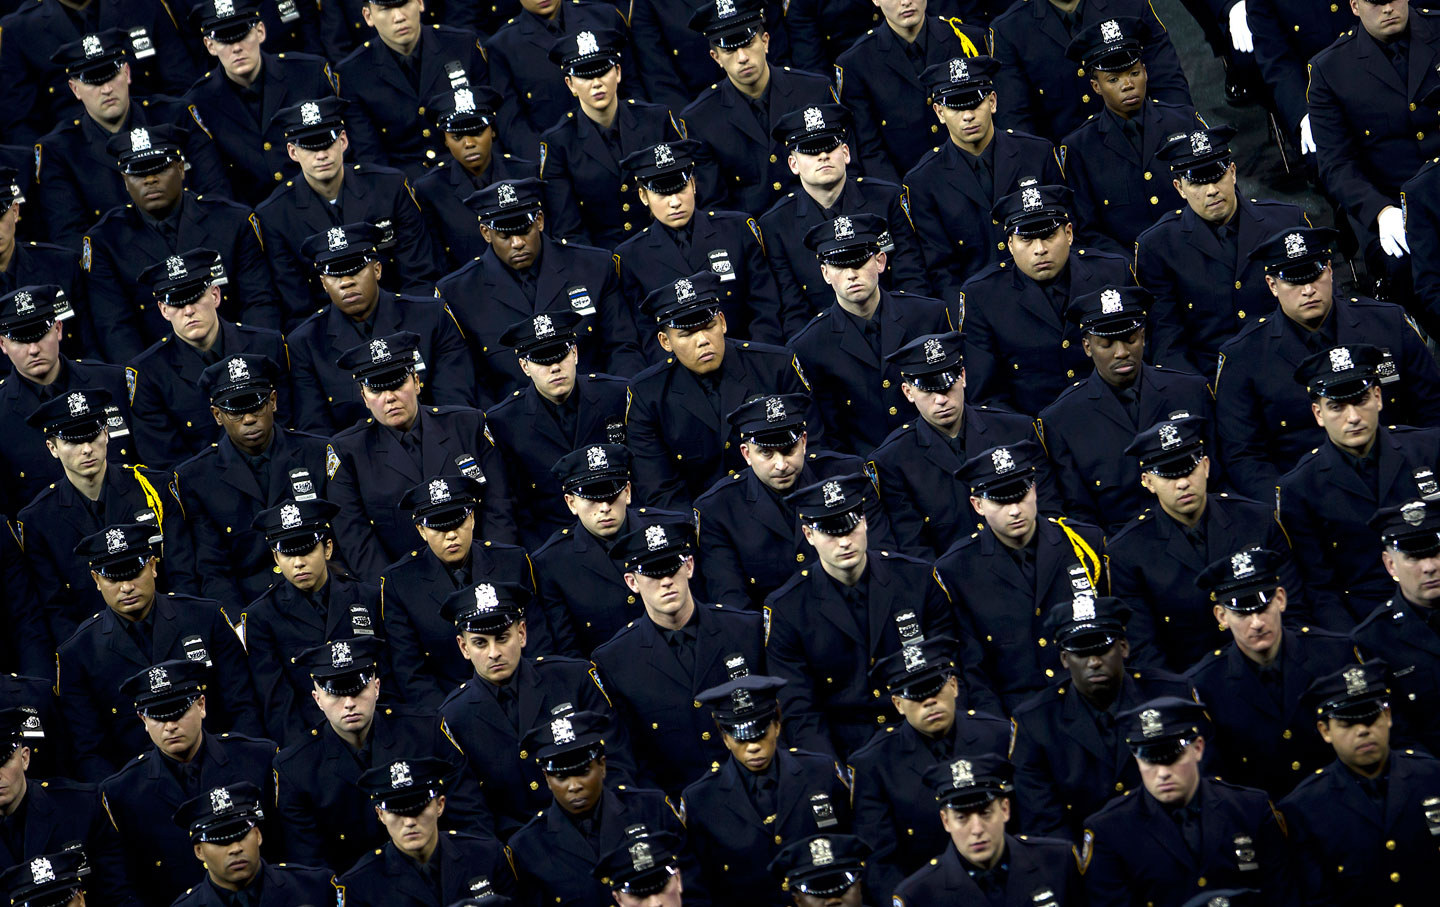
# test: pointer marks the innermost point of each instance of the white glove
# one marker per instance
(1392, 232)
(1240, 29)
(1307, 141)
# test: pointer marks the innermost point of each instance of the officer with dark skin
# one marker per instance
(822, 870)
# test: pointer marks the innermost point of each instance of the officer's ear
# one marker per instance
(714, 55)
(790, 158)
(1094, 84)
(662, 335)
(939, 111)
(290, 152)
(745, 452)
(329, 549)
(809, 535)
(439, 806)
(881, 259)
(50, 446)
(644, 195)
(1388, 560)
(196, 846)
(1179, 189)
(1323, 725)
(632, 583)
(1315, 409)
(979, 507)
(365, 14)
(260, 30)
(1085, 345)
(1219, 611)
(1280, 598)
(1273, 285)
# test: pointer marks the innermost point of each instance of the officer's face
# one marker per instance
(667, 598)
(903, 15)
(1042, 257)
(598, 93)
(1350, 424)
(155, 193)
(130, 598)
(1305, 303)
(941, 409)
(755, 755)
(8, 222)
(1257, 633)
(241, 60)
(1363, 747)
(1184, 496)
(1014, 522)
(577, 794)
(701, 350)
(196, 322)
(672, 895)
(933, 715)
(178, 738)
(252, 431)
(81, 459)
(109, 101)
(234, 863)
(1213, 202)
(776, 467)
(320, 166)
(398, 26)
(544, 8)
(38, 361)
(850, 897)
(979, 834)
(355, 294)
(518, 250)
(673, 210)
(745, 66)
(1116, 359)
(472, 151)
(1122, 92)
(1382, 20)
(821, 171)
(415, 835)
(840, 552)
(1096, 675)
(452, 545)
(349, 714)
(12, 779)
(971, 128)
(601, 519)
(1419, 577)
(554, 380)
(1174, 783)
(858, 286)
(309, 571)
(494, 655)
(395, 408)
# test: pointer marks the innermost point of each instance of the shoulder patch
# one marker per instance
(332, 461)
(130, 379)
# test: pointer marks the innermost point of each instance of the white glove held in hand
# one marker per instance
(1240, 29)
(1392, 232)
(1307, 141)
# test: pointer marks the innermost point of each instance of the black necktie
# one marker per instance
(411, 445)
(765, 796)
(985, 175)
(1130, 402)
(527, 283)
(461, 576)
(189, 775)
(139, 633)
(683, 651)
(1188, 818)
(1375, 789)
(872, 336)
(991, 883)
(1399, 53)
(509, 704)
(1131, 130)
(916, 55)
(1025, 559)
(260, 466)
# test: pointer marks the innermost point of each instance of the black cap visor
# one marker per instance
(831, 882)
(1302, 272)
(223, 831)
(815, 142)
(548, 352)
(836, 523)
(647, 883)
(1175, 464)
(1037, 225)
(933, 382)
(968, 798)
(27, 331)
(660, 565)
(1343, 390)
(317, 138)
(511, 223)
(238, 401)
(691, 319)
(147, 162)
(966, 97)
(445, 516)
(407, 803)
(167, 708)
(1365, 710)
(232, 31)
(1122, 326)
(573, 761)
(1206, 173)
(667, 182)
(1008, 490)
(465, 123)
(591, 67)
(737, 34)
(776, 438)
(98, 71)
(1250, 601)
(182, 294)
(1088, 638)
(489, 623)
(389, 377)
(849, 256)
(598, 488)
(79, 431)
(1416, 544)
(295, 544)
(1164, 751)
(126, 566)
(753, 727)
(1117, 59)
(923, 685)
(345, 265)
(346, 683)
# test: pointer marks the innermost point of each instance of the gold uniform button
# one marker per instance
(1286, 734)
(800, 558)
(894, 411)
(1419, 136)
(935, 128)
(1412, 106)
(267, 146)
(1389, 845)
(885, 383)
(1149, 175)
(1064, 344)
(773, 159)
(534, 785)
(625, 206)
(705, 735)
(629, 599)
(1069, 373)
(425, 133)
(1119, 786)
(777, 187)
(1295, 766)
(1154, 200)
(1237, 284)
(1394, 876)
(278, 177)
(627, 226)
(1080, 72)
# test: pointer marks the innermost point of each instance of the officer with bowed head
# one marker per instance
(645, 871)
(49, 880)
(822, 870)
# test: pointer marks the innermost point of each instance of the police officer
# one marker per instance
(654, 667)
(526, 273)
(1286, 36)
(676, 424)
(681, 240)
(327, 819)
(955, 185)
(331, 193)
(819, 155)
(574, 571)
(1254, 685)
(1195, 260)
(666, 45)
(167, 404)
(43, 734)
(1155, 559)
(749, 530)
(164, 221)
(1014, 316)
(892, 805)
(184, 760)
(1089, 426)
(25, 264)
(255, 465)
(644, 869)
(829, 621)
(48, 879)
(1361, 467)
(237, 99)
(762, 797)
(822, 869)
(465, 118)
(1183, 831)
(846, 346)
(420, 865)
(224, 826)
(587, 190)
(558, 411)
(1262, 418)
(140, 628)
(981, 863)
(1360, 827)
(914, 468)
(415, 588)
(508, 689)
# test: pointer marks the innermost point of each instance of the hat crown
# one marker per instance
(1354, 680)
(821, 852)
(90, 44)
(641, 856)
(844, 228)
(1110, 31)
(1002, 460)
(400, 775)
(934, 350)
(486, 598)
(959, 70)
(664, 155)
(962, 773)
(1150, 723)
(439, 491)
(832, 494)
(239, 370)
(41, 870)
(1294, 245)
(1169, 436)
(585, 43)
(24, 304)
(506, 195)
(562, 730)
(114, 540)
(654, 537)
(1340, 360)
(1199, 143)
(597, 458)
(220, 797)
(774, 409)
(1110, 303)
(379, 351)
(309, 114)
(79, 406)
(814, 119)
(1242, 565)
(289, 516)
(544, 326)
(139, 139)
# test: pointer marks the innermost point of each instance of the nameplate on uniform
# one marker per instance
(144, 516)
(908, 624)
(30, 727)
(195, 650)
(615, 431)
(360, 623)
(115, 423)
(720, 264)
(1432, 814)
(824, 811)
(419, 362)
(217, 273)
(1044, 897)
(468, 467)
(302, 487)
(387, 228)
(1425, 484)
(1387, 371)
(455, 72)
(140, 41)
(887, 242)
(63, 309)
(289, 12)
(580, 301)
(1245, 853)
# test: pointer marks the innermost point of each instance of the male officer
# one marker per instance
(830, 621)
(525, 273)
(508, 689)
(748, 527)
(655, 665)
(892, 806)
(388, 81)
(750, 100)
(184, 760)
(89, 497)
(1263, 419)
(25, 264)
(1015, 556)
(45, 735)
(420, 865)
(848, 344)
(680, 241)
(644, 869)
(1361, 467)
(675, 424)
(1195, 261)
(224, 826)
(955, 186)
(1156, 557)
(71, 162)
(576, 574)
(255, 465)
(330, 193)
(1110, 158)
(47, 880)
(1360, 827)
(914, 468)
(326, 818)
(1254, 685)
(981, 863)
(554, 852)
(1088, 427)
(371, 463)
(349, 266)
(819, 155)
(822, 870)
(140, 628)
(237, 100)
(165, 220)
(740, 814)
(465, 118)
(1286, 37)
(1183, 831)
(1019, 349)
(167, 404)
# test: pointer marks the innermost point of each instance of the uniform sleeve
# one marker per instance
(353, 530)
(1076, 497)
(1012, 84)
(622, 354)
(907, 522)
(232, 665)
(111, 313)
(934, 243)
(311, 412)
(632, 290)
(291, 275)
(82, 717)
(1041, 812)
(807, 45)
(1089, 197)
(805, 726)
(365, 145)
(414, 253)
(906, 262)
(1107, 882)
(653, 53)
(983, 381)
(451, 373)
(520, 134)
(497, 513)
(979, 693)
(1322, 603)
(764, 294)
(858, 99)
(795, 305)
(66, 217)
(31, 642)
(465, 808)
(1165, 332)
(1282, 70)
(656, 479)
(1422, 379)
(719, 559)
(1162, 64)
(157, 437)
(1240, 425)
(206, 173)
(299, 821)
(252, 286)
(106, 856)
(1422, 231)
(875, 825)
(421, 688)
(1338, 150)
(283, 716)
(562, 211)
(214, 568)
(337, 41)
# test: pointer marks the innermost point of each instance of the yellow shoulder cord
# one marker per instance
(151, 497)
(1088, 559)
(965, 43)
